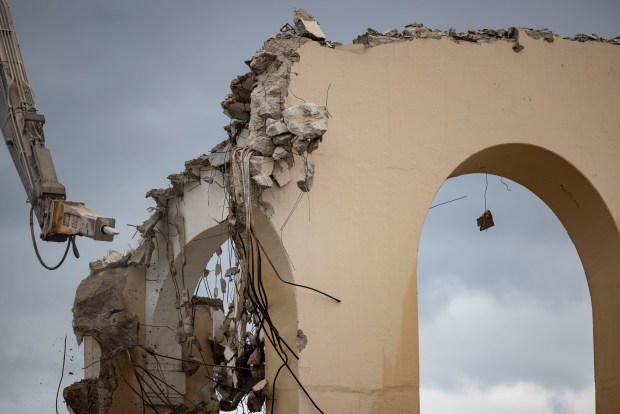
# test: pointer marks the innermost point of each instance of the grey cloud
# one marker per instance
(132, 89)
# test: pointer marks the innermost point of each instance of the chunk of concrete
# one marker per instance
(279, 153)
(92, 395)
(300, 146)
(261, 165)
(242, 138)
(307, 26)
(236, 107)
(262, 180)
(393, 32)
(263, 144)
(307, 120)
(275, 127)
(313, 145)
(283, 139)
(269, 109)
(100, 309)
(261, 61)
(256, 397)
(306, 176)
(281, 173)
(220, 154)
(243, 85)
(546, 34)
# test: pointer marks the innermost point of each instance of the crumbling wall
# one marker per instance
(368, 132)
(106, 313)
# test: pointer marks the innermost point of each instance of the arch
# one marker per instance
(592, 229)
(201, 215)
(504, 316)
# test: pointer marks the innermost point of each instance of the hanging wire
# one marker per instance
(446, 202)
(486, 179)
(501, 179)
(62, 373)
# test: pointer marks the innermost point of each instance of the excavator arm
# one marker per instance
(22, 128)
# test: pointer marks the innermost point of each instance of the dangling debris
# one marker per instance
(306, 177)
(485, 221)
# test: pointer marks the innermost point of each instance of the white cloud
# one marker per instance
(478, 338)
(517, 398)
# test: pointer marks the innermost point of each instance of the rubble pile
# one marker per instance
(594, 38)
(418, 31)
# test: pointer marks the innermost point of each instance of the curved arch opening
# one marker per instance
(592, 230)
(504, 314)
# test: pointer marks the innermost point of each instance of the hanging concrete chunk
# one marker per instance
(275, 127)
(220, 154)
(307, 26)
(280, 153)
(256, 397)
(263, 180)
(306, 177)
(283, 139)
(300, 146)
(313, 145)
(242, 138)
(307, 120)
(236, 107)
(261, 165)
(242, 86)
(261, 60)
(281, 173)
(262, 144)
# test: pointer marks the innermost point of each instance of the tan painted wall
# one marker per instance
(405, 117)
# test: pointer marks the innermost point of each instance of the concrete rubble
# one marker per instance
(418, 31)
(307, 26)
(100, 311)
(264, 137)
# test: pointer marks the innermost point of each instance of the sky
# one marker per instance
(132, 89)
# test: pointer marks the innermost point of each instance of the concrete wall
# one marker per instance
(405, 117)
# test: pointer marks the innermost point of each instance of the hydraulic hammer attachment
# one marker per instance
(69, 218)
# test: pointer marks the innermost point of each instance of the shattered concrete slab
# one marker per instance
(92, 395)
(220, 154)
(306, 177)
(307, 26)
(256, 398)
(100, 310)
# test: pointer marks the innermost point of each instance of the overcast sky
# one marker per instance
(131, 89)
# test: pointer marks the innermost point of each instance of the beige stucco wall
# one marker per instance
(404, 117)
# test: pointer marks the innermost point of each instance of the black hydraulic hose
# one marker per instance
(70, 242)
